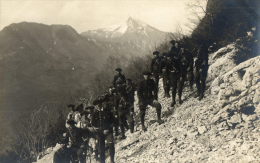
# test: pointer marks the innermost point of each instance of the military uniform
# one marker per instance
(147, 96)
(175, 74)
(63, 154)
(125, 117)
(103, 119)
(190, 74)
(119, 80)
(174, 52)
(166, 74)
(184, 66)
(201, 71)
(76, 145)
(130, 92)
(156, 70)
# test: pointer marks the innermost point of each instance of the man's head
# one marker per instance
(118, 70)
(146, 75)
(156, 54)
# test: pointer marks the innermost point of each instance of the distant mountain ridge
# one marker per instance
(45, 63)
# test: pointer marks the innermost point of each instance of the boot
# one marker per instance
(160, 121)
(173, 103)
(180, 101)
(132, 128)
(144, 128)
(200, 96)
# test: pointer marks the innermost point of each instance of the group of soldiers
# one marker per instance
(180, 65)
(113, 112)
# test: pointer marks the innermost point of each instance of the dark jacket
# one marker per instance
(156, 65)
(186, 61)
(119, 79)
(174, 52)
(174, 66)
(76, 136)
(130, 90)
(166, 66)
(102, 117)
(146, 90)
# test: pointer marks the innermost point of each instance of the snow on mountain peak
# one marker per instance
(131, 27)
(133, 23)
(130, 24)
(121, 28)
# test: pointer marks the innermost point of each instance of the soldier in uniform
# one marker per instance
(175, 73)
(125, 118)
(190, 74)
(175, 49)
(147, 96)
(63, 154)
(184, 65)
(119, 79)
(112, 102)
(103, 119)
(76, 144)
(201, 70)
(130, 91)
(166, 61)
(156, 69)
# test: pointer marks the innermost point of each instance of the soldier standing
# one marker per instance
(103, 119)
(112, 102)
(190, 74)
(119, 79)
(124, 113)
(175, 49)
(166, 61)
(175, 73)
(76, 142)
(130, 91)
(156, 70)
(147, 96)
(201, 70)
(184, 65)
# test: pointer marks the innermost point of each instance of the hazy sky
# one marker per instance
(91, 14)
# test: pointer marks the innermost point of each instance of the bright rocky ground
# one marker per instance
(223, 127)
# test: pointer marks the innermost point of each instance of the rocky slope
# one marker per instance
(224, 126)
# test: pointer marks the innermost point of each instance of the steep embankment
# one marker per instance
(224, 126)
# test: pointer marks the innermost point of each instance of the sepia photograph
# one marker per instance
(129, 81)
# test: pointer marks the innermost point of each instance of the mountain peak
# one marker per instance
(133, 23)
